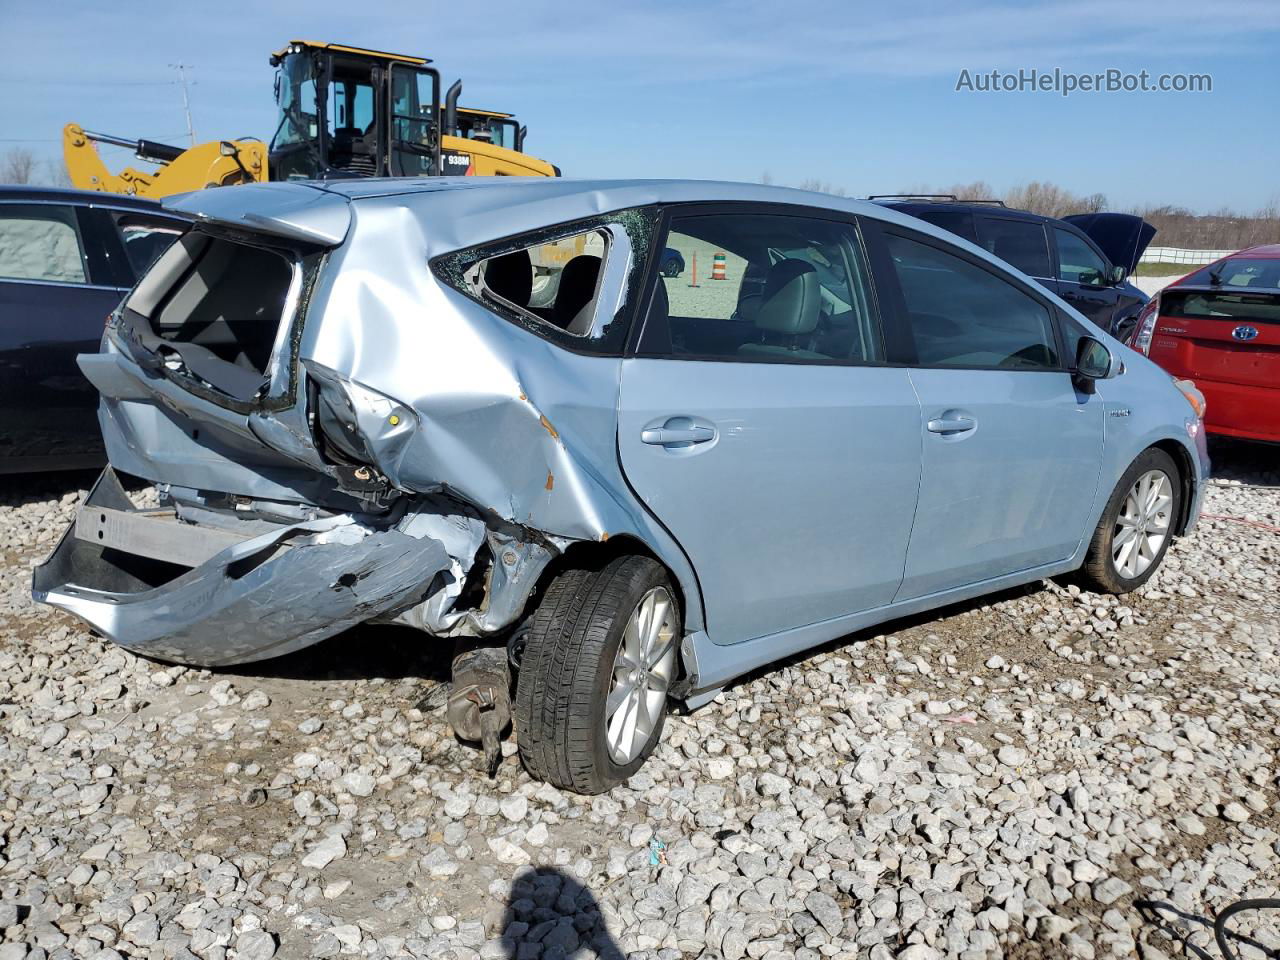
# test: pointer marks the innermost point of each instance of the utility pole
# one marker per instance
(182, 69)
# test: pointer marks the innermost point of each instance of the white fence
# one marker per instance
(1179, 255)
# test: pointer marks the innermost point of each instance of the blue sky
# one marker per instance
(859, 95)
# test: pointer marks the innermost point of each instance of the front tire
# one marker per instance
(599, 658)
(1137, 526)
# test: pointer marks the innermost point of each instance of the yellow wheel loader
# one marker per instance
(342, 112)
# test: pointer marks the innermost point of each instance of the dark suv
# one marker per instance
(1085, 259)
(66, 259)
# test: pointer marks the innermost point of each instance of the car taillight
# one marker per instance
(1146, 326)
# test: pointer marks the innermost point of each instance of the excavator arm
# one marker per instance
(219, 163)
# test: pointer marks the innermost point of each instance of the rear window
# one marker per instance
(1239, 272)
(961, 224)
(1017, 242)
(1256, 307)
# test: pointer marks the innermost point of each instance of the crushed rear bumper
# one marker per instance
(257, 596)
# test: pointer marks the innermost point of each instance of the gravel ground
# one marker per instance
(1009, 778)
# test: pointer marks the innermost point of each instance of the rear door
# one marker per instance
(1011, 451)
(53, 305)
(761, 425)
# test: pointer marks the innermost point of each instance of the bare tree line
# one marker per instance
(21, 166)
(1223, 229)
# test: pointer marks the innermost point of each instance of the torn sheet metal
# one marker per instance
(268, 596)
(427, 458)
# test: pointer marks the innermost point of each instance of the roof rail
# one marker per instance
(932, 198)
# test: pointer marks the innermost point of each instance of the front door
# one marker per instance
(1011, 451)
(1083, 279)
(759, 423)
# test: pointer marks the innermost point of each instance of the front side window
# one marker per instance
(571, 284)
(1020, 243)
(962, 315)
(764, 288)
(40, 242)
(1077, 261)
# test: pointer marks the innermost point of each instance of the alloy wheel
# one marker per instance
(1143, 524)
(642, 673)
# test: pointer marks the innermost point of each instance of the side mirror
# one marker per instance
(1093, 362)
(1117, 276)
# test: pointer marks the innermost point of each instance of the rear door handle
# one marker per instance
(678, 432)
(951, 425)
(666, 435)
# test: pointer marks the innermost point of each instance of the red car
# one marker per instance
(1220, 326)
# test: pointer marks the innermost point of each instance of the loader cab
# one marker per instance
(489, 126)
(347, 112)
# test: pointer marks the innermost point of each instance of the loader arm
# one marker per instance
(218, 163)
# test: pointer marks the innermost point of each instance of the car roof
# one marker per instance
(1263, 251)
(916, 207)
(35, 194)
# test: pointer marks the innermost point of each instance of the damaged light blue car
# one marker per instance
(487, 410)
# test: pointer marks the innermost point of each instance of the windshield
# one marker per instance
(414, 140)
(296, 99)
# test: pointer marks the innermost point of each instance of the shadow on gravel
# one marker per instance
(553, 910)
(1180, 926)
(361, 653)
(1255, 464)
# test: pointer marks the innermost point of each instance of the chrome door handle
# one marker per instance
(951, 425)
(666, 435)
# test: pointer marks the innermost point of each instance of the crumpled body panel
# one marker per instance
(497, 447)
(271, 595)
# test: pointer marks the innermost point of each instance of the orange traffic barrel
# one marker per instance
(717, 267)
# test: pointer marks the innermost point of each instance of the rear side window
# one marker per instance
(1020, 243)
(571, 284)
(557, 281)
(962, 315)
(765, 288)
(40, 242)
(1077, 262)
(145, 238)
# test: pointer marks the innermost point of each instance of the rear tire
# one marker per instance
(1137, 526)
(577, 663)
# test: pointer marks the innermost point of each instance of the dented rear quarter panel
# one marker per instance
(517, 426)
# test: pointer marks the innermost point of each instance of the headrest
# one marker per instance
(577, 287)
(792, 299)
(510, 276)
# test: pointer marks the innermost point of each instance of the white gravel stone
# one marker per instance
(1015, 768)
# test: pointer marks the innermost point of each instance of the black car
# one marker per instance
(1086, 259)
(66, 259)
